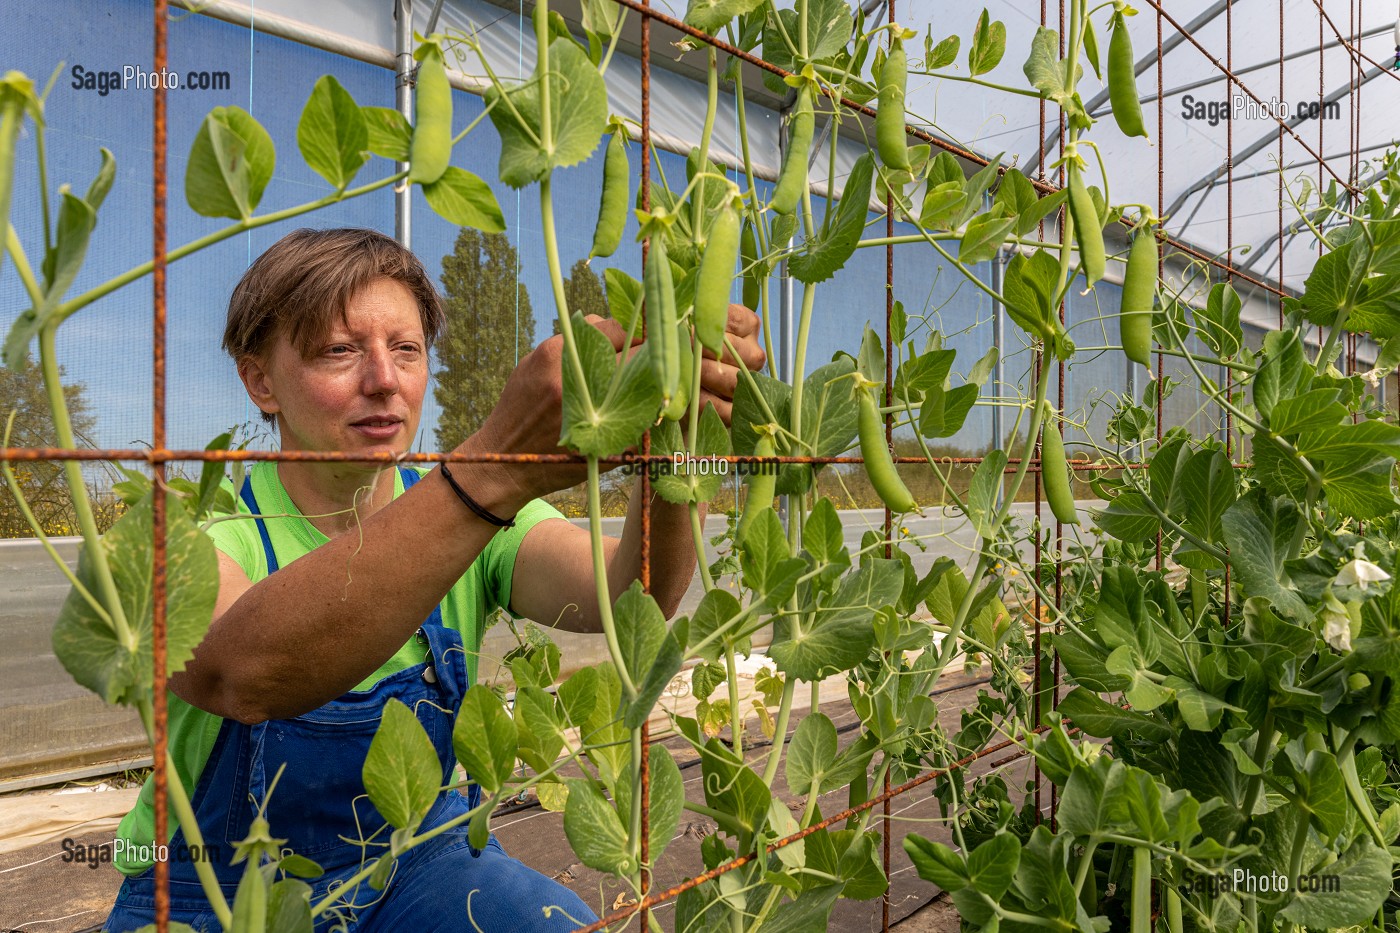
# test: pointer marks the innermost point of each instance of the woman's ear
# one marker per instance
(254, 373)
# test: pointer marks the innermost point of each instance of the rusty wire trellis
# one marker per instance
(158, 455)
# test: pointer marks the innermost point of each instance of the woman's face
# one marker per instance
(360, 387)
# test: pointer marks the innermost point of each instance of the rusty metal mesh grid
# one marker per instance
(157, 456)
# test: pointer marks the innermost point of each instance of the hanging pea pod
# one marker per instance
(431, 146)
(1122, 81)
(879, 464)
(748, 261)
(14, 89)
(712, 287)
(890, 138)
(1054, 474)
(1088, 228)
(792, 180)
(660, 294)
(763, 484)
(1139, 288)
(675, 409)
(612, 205)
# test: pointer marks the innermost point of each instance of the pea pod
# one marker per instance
(675, 409)
(11, 116)
(1122, 82)
(792, 180)
(660, 295)
(890, 138)
(748, 261)
(763, 484)
(1054, 474)
(431, 146)
(879, 464)
(1139, 288)
(1088, 229)
(712, 285)
(612, 206)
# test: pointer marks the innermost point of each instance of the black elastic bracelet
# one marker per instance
(477, 507)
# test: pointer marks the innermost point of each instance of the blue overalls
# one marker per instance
(320, 807)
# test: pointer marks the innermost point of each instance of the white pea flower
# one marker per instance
(1336, 625)
(1374, 377)
(1360, 572)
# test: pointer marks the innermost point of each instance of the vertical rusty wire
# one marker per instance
(1161, 260)
(158, 577)
(1279, 237)
(1037, 607)
(1229, 242)
(888, 520)
(645, 486)
(1060, 394)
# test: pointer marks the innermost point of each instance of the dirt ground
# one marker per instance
(43, 893)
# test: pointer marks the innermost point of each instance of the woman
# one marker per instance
(364, 583)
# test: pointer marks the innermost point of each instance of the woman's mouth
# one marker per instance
(378, 428)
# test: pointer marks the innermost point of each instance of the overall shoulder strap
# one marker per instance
(246, 493)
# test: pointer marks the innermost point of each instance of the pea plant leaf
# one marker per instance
(811, 752)
(84, 641)
(943, 204)
(594, 830)
(76, 220)
(769, 568)
(332, 133)
(1028, 291)
(982, 239)
(692, 475)
(1206, 487)
(733, 787)
(988, 45)
(1104, 720)
(1257, 529)
(941, 55)
(641, 629)
(388, 132)
(984, 493)
(229, 166)
(714, 15)
(1015, 192)
(621, 408)
(402, 772)
(1218, 323)
(838, 634)
(716, 608)
(1350, 890)
(463, 199)
(484, 739)
(578, 113)
(663, 670)
(666, 801)
(835, 245)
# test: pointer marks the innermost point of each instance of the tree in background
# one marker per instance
(489, 322)
(41, 481)
(584, 291)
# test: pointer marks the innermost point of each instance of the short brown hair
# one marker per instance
(305, 280)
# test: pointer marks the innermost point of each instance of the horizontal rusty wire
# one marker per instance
(924, 136)
(652, 900)
(30, 454)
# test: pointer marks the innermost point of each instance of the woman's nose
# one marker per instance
(381, 376)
